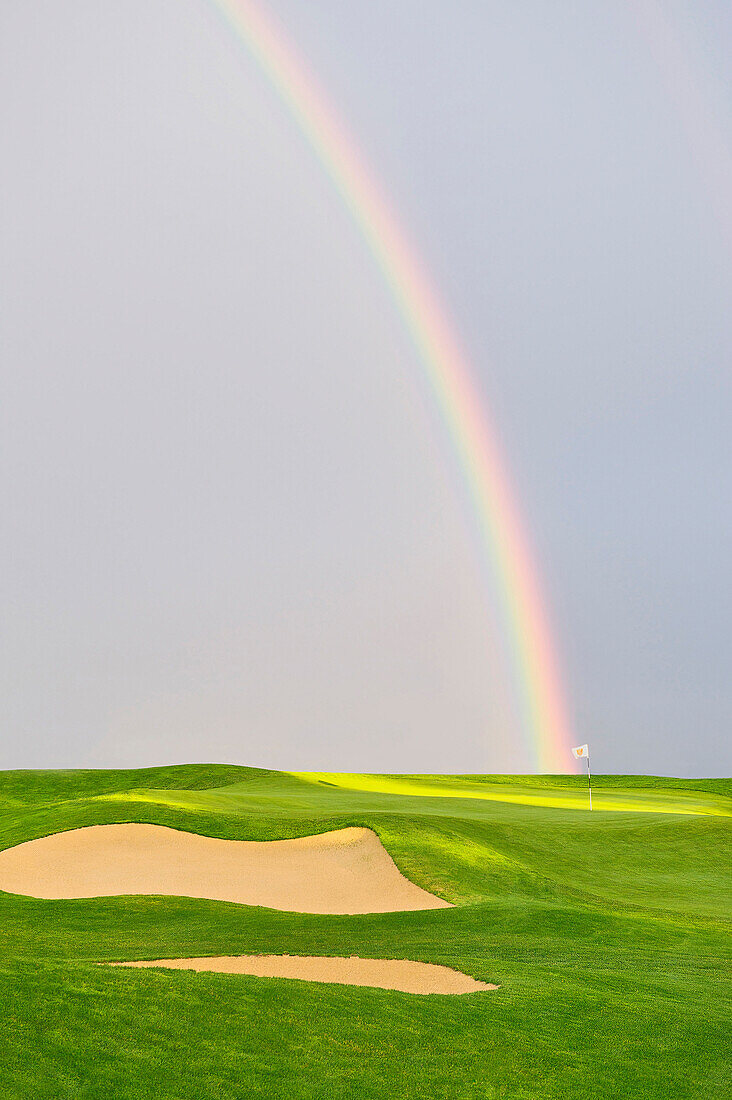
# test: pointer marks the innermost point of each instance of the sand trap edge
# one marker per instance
(403, 975)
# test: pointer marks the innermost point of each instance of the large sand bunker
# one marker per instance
(345, 871)
(403, 974)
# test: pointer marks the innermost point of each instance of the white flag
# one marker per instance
(581, 752)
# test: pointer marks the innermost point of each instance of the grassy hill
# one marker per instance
(609, 934)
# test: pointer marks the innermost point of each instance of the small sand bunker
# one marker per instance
(403, 974)
(345, 871)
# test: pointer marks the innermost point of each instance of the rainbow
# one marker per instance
(503, 545)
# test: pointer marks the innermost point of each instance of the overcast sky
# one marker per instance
(231, 530)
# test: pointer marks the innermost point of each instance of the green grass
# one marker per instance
(608, 933)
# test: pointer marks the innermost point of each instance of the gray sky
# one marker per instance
(231, 529)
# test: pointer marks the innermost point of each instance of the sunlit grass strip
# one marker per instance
(619, 801)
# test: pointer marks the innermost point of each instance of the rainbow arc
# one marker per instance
(504, 546)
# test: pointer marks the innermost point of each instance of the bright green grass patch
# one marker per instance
(609, 934)
(653, 801)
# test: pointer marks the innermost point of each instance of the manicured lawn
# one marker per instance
(608, 933)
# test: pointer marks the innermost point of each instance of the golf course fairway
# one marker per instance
(606, 933)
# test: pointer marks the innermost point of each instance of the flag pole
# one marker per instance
(582, 752)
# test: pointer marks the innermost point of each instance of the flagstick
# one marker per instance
(580, 752)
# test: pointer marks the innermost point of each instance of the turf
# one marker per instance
(609, 934)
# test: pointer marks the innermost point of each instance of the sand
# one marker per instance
(344, 871)
(402, 974)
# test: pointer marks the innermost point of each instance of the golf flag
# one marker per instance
(582, 752)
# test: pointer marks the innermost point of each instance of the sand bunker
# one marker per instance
(345, 871)
(403, 974)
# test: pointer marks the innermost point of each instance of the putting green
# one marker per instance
(618, 800)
